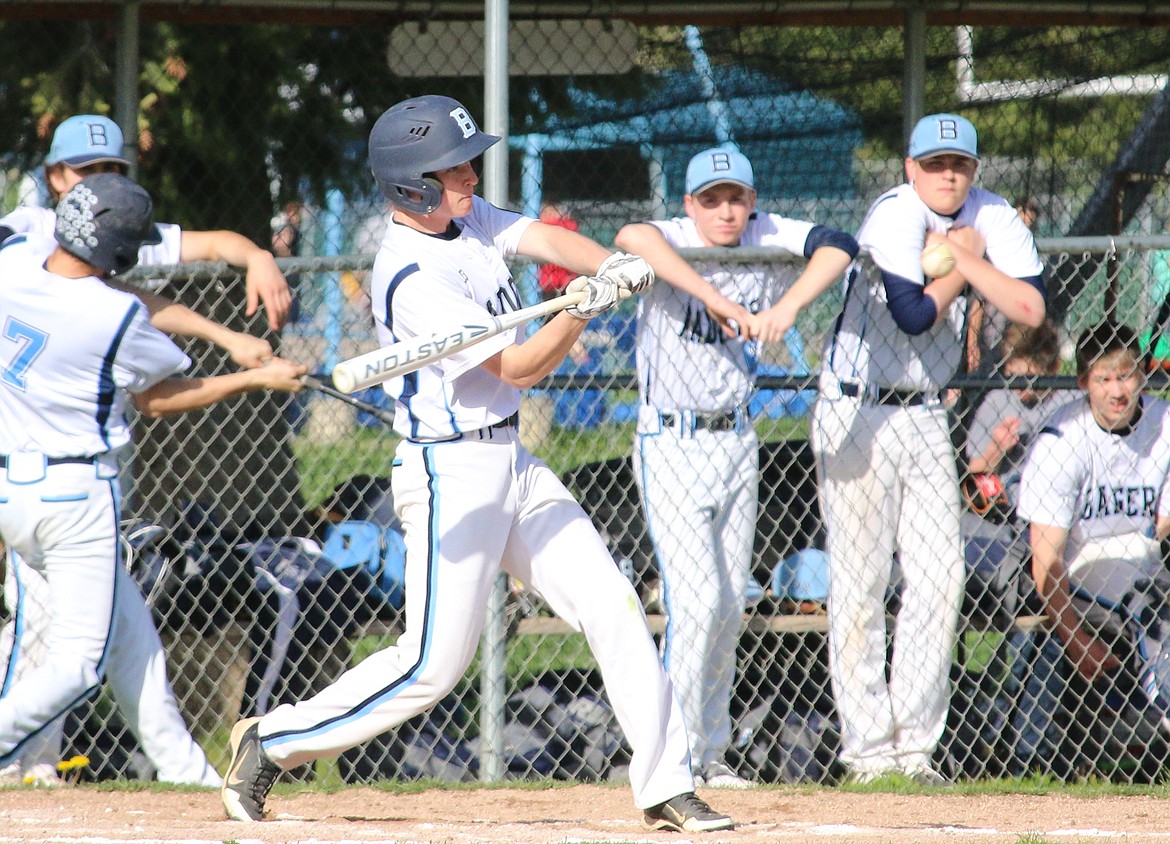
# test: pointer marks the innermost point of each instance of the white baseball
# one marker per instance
(937, 260)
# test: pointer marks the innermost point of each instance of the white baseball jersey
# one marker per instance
(69, 351)
(41, 223)
(868, 347)
(685, 361)
(1098, 484)
(423, 283)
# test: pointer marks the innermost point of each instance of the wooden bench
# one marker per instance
(794, 623)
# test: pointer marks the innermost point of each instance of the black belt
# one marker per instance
(511, 422)
(55, 461)
(888, 396)
(705, 421)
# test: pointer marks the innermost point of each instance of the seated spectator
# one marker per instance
(1094, 491)
(1007, 420)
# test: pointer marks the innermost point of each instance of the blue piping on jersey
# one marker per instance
(100, 668)
(411, 675)
(106, 385)
(9, 238)
(403, 274)
(18, 623)
(410, 380)
(666, 594)
(406, 396)
(851, 277)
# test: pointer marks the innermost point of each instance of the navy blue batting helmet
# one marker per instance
(104, 220)
(419, 136)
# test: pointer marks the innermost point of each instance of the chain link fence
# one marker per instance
(262, 531)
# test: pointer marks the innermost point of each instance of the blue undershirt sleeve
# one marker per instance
(820, 236)
(913, 311)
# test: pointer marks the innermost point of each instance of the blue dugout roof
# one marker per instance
(800, 145)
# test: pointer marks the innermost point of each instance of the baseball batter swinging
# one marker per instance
(471, 499)
(696, 455)
(73, 351)
(886, 464)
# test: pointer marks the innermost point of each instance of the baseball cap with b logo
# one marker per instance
(942, 134)
(716, 166)
(86, 139)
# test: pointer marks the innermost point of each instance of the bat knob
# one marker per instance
(343, 379)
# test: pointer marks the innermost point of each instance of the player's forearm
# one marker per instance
(1051, 578)
(986, 462)
(1018, 300)
(1162, 528)
(180, 394)
(648, 242)
(177, 395)
(221, 245)
(525, 364)
(823, 270)
(563, 247)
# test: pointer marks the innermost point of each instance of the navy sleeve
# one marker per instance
(913, 311)
(5, 233)
(820, 236)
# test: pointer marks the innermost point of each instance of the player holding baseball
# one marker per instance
(72, 353)
(696, 455)
(886, 463)
(472, 500)
(90, 143)
(1096, 492)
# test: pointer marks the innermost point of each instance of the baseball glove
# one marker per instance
(985, 496)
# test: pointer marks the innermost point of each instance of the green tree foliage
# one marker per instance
(239, 117)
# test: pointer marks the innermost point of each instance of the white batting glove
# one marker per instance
(627, 271)
(601, 295)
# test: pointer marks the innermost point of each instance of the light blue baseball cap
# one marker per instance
(940, 134)
(718, 165)
(86, 139)
(802, 576)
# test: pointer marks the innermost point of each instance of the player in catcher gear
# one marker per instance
(73, 353)
(472, 500)
(885, 460)
(696, 456)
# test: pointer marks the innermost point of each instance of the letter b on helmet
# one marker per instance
(418, 137)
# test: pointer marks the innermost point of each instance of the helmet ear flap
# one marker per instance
(421, 196)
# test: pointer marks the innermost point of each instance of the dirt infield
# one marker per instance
(580, 813)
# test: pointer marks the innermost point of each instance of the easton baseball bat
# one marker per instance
(383, 415)
(408, 355)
